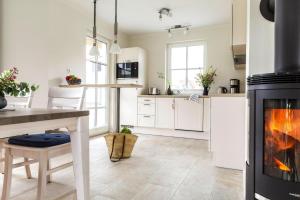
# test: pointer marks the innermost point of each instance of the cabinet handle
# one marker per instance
(147, 100)
(146, 104)
(146, 116)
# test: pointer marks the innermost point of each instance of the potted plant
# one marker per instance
(162, 76)
(206, 79)
(120, 145)
(9, 86)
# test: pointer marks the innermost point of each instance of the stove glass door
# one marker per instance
(281, 155)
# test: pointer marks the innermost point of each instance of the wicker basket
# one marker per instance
(120, 145)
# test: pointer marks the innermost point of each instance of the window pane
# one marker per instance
(178, 78)
(101, 117)
(102, 94)
(102, 74)
(192, 79)
(196, 57)
(92, 118)
(178, 58)
(90, 98)
(90, 72)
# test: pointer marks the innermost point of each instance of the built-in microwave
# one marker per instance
(127, 70)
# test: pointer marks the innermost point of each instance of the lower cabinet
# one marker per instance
(165, 114)
(146, 121)
(171, 113)
(189, 114)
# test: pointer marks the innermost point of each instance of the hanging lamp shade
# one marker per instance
(94, 50)
(115, 48)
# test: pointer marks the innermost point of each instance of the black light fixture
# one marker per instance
(115, 48)
(94, 50)
(164, 11)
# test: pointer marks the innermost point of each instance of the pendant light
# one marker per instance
(94, 50)
(115, 48)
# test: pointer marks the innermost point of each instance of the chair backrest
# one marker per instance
(19, 101)
(66, 98)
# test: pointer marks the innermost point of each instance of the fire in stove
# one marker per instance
(282, 144)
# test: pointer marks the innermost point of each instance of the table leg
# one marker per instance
(118, 109)
(80, 150)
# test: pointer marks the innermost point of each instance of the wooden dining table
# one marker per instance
(23, 121)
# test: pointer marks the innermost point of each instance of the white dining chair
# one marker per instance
(13, 103)
(58, 98)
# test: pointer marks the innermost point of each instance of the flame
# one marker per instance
(283, 127)
(282, 166)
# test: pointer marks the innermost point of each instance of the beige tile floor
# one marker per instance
(162, 168)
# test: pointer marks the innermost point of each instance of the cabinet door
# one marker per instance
(188, 114)
(128, 107)
(129, 55)
(165, 113)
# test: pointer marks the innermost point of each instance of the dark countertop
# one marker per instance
(33, 115)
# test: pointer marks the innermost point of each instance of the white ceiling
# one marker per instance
(141, 16)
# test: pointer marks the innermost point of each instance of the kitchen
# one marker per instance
(151, 111)
(141, 75)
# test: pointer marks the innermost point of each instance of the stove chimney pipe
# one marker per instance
(286, 15)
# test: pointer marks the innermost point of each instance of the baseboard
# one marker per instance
(172, 133)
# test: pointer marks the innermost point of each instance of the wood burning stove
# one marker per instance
(273, 163)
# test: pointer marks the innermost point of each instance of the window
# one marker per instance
(185, 61)
(97, 98)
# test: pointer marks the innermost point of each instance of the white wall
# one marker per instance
(260, 42)
(43, 38)
(219, 52)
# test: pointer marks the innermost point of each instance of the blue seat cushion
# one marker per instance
(40, 140)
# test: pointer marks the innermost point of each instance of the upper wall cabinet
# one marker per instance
(239, 22)
(130, 55)
(239, 33)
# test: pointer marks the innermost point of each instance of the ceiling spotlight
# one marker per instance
(185, 28)
(170, 33)
(164, 11)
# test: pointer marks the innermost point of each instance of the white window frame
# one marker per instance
(168, 67)
(100, 130)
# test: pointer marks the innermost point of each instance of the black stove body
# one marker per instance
(273, 160)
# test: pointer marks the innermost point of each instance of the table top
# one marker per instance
(33, 115)
(105, 86)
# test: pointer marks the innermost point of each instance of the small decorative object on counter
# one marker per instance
(169, 91)
(73, 80)
(206, 79)
(10, 86)
(120, 145)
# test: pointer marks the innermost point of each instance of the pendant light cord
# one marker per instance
(116, 21)
(94, 28)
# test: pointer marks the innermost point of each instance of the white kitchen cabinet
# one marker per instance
(146, 121)
(239, 22)
(128, 107)
(228, 131)
(146, 108)
(129, 55)
(165, 114)
(189, 114)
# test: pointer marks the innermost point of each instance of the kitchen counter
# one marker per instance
(187, 96)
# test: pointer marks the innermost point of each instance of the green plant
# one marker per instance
(206, 79)
(162, 76)
(9, 85)
(126, 130)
